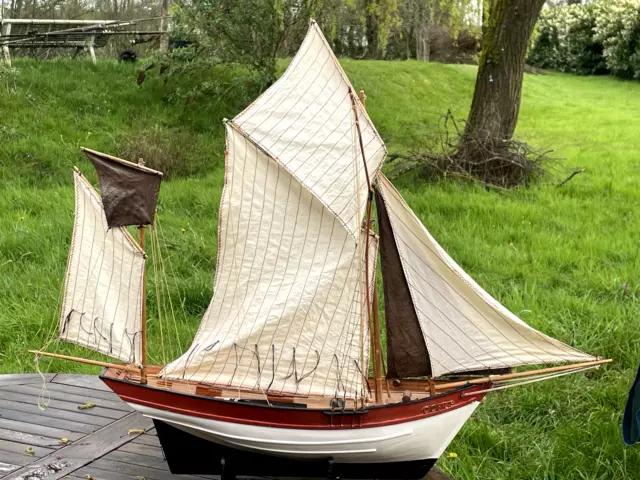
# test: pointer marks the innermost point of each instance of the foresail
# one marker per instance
(102, 301)
(286, 313)
(464, 329)
(407, 354)
(305, 121)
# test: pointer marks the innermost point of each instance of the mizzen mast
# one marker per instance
(143, 310)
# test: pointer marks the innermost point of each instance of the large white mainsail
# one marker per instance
(102, 301)
(463, 327)
(288, 314)
(287, 308)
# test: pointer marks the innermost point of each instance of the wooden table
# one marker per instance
(99, 443)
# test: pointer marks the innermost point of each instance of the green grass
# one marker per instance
(558, 257)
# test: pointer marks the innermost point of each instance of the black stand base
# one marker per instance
(191, 455)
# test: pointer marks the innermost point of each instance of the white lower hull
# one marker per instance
(425, 438)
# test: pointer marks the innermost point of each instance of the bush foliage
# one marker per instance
(595, 38)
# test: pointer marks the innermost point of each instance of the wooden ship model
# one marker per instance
(276, 381)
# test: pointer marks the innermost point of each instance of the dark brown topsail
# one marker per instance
(129, 191)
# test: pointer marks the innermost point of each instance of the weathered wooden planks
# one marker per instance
(101, 474)
(114, 403)
(83, 452)
(138, 459)
(19, 459)
(100, 445)
(147, 439)
(94, 393)
(15, 447)
(59, 404)
(86, 381)
(22, 379)
(136, 470)
(33, 414)
(51, 417)
(28, 438)
(35, 429)
(141, 449)
(7, 468)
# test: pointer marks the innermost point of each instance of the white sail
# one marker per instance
(464, 328)
(102, 301)
(306, 122)
(286, 314)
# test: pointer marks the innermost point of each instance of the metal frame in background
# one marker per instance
(48, 33)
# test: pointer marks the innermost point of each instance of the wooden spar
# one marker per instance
(377, 359)
(511, 376)
(143, 314)
(375, 338)
(126, 368)
(367, 222)
(377, 347)
(138, 166)
(372, 320)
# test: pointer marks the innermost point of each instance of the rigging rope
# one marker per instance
(50, 337)
(160, 232)
(156, 274)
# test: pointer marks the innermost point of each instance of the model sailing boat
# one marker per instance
(276, 380)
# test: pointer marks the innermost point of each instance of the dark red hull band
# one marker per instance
(278, 416)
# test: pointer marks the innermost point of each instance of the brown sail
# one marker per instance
(407, 354)
(129, 191)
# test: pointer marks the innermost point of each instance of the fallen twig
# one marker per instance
(573, 174)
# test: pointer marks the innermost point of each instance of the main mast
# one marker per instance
(371, 306)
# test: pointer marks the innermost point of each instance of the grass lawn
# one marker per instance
(565, 259)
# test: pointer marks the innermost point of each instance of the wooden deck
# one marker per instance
(100, 443)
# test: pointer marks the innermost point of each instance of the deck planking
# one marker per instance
(99, 444)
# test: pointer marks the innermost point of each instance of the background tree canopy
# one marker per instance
(380, 29)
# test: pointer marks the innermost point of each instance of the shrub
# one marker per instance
(565, 41)
(618, 30)
(595, 38)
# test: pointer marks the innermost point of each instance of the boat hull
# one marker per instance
(281, 439)
(191, 455)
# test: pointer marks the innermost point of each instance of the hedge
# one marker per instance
(602, 37)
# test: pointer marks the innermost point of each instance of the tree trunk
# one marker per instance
(371, 30)
(496, 99)
(427, 43)
(164, 27)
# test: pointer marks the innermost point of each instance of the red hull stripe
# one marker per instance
(290, 417)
